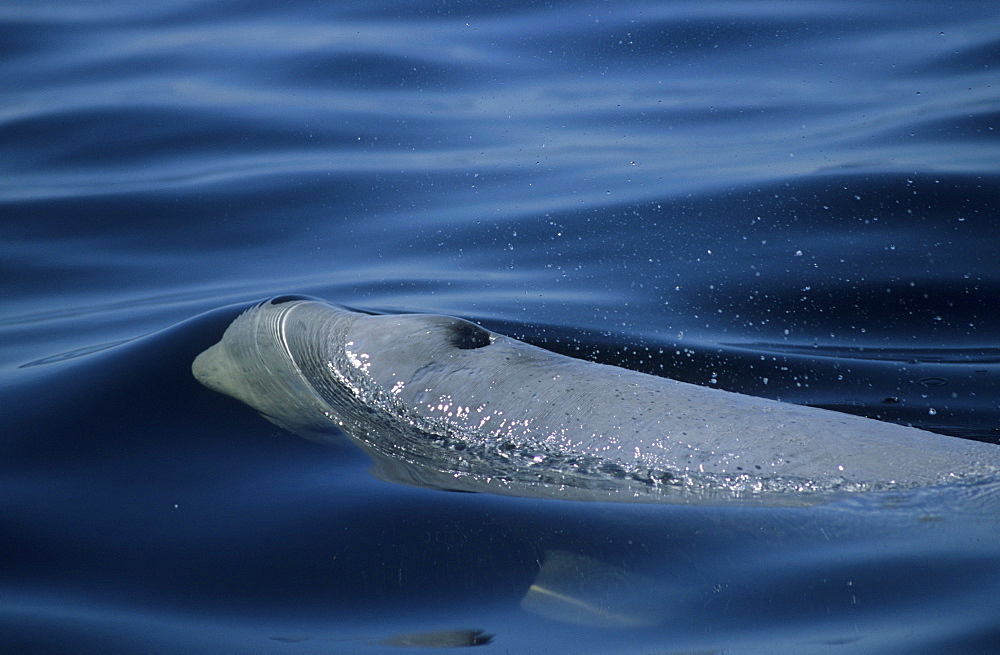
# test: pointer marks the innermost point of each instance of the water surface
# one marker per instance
(796, 200)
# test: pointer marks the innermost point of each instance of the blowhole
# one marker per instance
(469, 336)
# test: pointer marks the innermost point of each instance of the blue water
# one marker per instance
(790, 199)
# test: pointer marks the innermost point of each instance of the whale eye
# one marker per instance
(468, 336)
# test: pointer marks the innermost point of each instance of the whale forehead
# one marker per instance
(401, 348)
(428, 332)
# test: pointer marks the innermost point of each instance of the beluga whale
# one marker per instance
(441, 402)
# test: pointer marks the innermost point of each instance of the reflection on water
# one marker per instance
(580, 590)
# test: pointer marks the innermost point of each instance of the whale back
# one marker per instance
(442, 402)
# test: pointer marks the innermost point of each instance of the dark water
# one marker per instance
(797, 200)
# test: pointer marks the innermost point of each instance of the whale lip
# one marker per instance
(207, 368)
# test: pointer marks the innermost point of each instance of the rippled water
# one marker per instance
(796, 200)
